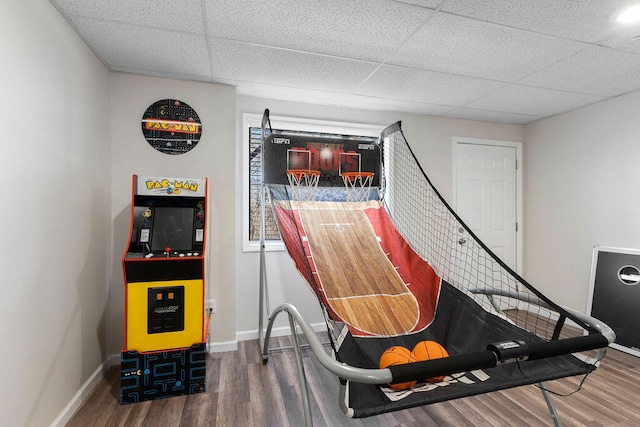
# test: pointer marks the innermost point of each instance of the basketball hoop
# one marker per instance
(358, 185)
(304, 183)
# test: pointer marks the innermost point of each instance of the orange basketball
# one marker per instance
(428, 350)
(397, 355)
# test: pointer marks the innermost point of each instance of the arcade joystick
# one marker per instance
(167, 251)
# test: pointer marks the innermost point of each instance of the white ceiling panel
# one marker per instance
(463, 46)
(259, 64)
(510, 61)
(361, 29)
(284, 93)
(583, 20)
(532, 101)
(415, 85)
(628, 40)
(337, 99)
(386, 104)
(133, 48)
(494, 116)
(597, 70)
(431, 4)
(181, 15)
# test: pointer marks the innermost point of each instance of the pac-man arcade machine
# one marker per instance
(165, 326)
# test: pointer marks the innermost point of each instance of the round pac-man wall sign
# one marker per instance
(171, 126)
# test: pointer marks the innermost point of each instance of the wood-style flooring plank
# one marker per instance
(242, 391)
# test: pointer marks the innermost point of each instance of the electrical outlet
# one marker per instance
(210, 304)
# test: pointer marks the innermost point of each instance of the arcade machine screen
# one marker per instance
(173, 228)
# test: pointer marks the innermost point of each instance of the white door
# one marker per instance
(486, 194)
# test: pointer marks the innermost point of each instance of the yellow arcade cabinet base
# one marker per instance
(164, 314)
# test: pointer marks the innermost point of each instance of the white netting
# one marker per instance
(357, 185)
(304, 184)
(436, 233)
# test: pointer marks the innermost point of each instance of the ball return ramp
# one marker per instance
(392, 265)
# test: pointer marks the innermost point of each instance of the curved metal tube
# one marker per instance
(361, 375)
(301, 375)
(599, 326)
(521, 296)
(385, 376)
(596, 324)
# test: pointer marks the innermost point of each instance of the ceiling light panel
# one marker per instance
(584, 20)
(630, 15)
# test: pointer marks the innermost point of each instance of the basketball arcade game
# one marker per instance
(497, 331)
(165, 326)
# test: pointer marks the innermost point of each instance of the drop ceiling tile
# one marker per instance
(284, 93)
(469, 61)
(597, 70)
(386, 104)
(456, 45)
(532, 101)
(244, 62)
(583, 20)
(490, 116)
(431, 4)
(628, 41)
(181, 15)
(129, 48)
(360, 29)
(333, 98)
(415, 85)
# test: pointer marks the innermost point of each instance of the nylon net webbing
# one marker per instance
(479, 300)
(436, 233)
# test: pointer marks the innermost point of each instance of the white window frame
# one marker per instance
(288, 123)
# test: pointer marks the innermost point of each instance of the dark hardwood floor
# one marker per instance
(241, 391)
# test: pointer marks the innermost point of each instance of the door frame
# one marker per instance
(456, 141)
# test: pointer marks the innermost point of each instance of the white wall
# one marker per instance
(582, 187)
(213, 158)
(72, 141)
(54, 220)
(429, 137)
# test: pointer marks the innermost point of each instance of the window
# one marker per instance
(252, 169)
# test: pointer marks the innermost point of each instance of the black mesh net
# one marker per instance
(467, 297)
(442, 239)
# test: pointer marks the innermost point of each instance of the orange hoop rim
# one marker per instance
(354, 174)
(302, 172)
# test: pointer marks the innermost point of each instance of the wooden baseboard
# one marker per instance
(276, 332)
(114, 359)
(79, 398)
